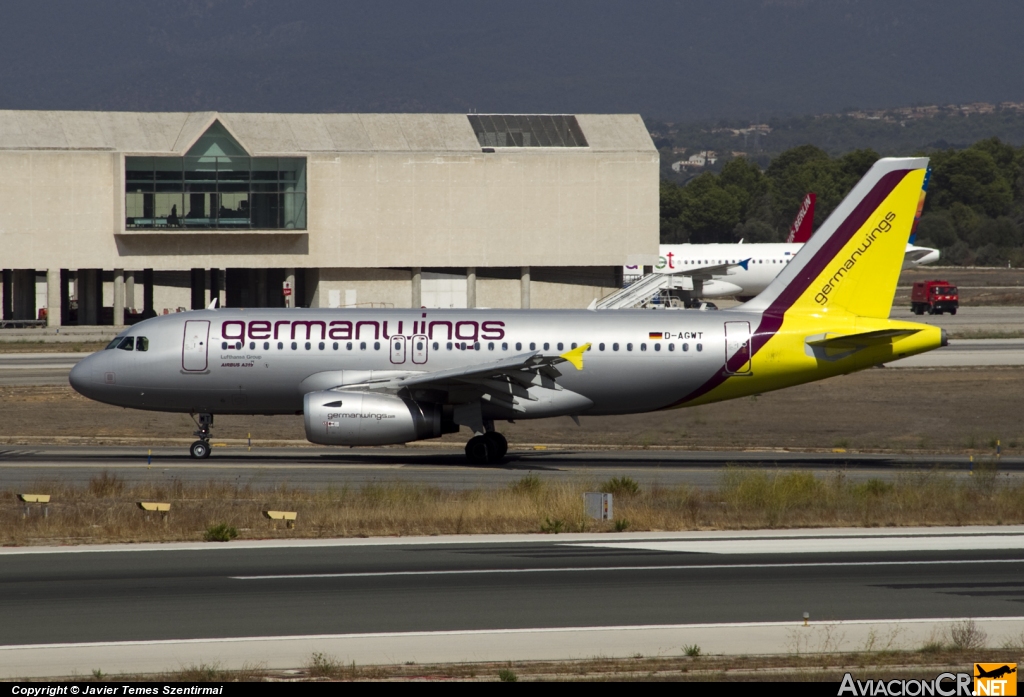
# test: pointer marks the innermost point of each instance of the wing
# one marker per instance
(706, 273)
(502, 380)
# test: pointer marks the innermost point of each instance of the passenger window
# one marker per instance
(348, 346)
(307, 345)
(560, 347)
(504, 346)
(519, 346)
(141, 343)
(700, 347)
(547, 346)
(671, 347)
(280, 345)
(127, 344)
(573, 345)
(321, 346)
(615, 347)
(224, 345)
(600, 347)
(533, 346)
(362, 345)
(657, 347)
(376, 346)
(435, 345)
(295, 346)
(266, 345)
(252, 345)
(686, 347)
(643, 347)
(476, 345)
(448, 346)
(490, 346)
(629, 347)
(335, 345)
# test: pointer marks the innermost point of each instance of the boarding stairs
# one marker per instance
(643, 292)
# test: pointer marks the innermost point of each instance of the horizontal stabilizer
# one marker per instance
(862, 340)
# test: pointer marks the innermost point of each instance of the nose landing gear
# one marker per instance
(200, 450)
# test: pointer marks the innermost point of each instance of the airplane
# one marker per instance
(380, 377)
(995, 672)
(744, 270)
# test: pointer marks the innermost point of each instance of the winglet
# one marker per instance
(576, 356)
(745, 263)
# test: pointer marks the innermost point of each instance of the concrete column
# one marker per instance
(289, 277)
(8, 290)
(54, 304)
(129, 291)
(524, 287)
(118, 297)
(417, 287)
(24, 294)
(147, 294)
(198, 285)
(471, 286)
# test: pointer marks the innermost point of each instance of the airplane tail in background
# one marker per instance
(920, 206)
(803, 225)
(853, 262)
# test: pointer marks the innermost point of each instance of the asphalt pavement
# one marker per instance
(315, 467)
(202, 595)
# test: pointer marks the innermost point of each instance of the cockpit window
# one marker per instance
(113, 344)
(141, 343)
(127, 344)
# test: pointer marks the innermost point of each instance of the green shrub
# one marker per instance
(621, 524)
(530, 484)
(620, 486)
(221, 532)
(507, 675)
(553, 526)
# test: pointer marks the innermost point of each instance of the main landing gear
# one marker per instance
(486, 449)
(200, 450)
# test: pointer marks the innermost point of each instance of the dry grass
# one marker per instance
(29, 346)
(105, 510)
(781, 668)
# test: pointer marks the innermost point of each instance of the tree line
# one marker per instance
(974, 211)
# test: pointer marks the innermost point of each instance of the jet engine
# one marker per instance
(358, 418)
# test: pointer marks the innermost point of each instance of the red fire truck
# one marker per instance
(934, 297)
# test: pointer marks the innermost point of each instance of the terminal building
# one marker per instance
(109, 217)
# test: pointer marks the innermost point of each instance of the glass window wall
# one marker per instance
(216, 185)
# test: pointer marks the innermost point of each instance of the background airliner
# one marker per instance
(744, 270)
(376, 377)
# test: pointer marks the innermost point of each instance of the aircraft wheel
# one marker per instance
(478, 450)
(953, 311)
(498, 445)
(200, 450)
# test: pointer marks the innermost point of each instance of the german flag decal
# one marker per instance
(655, 335)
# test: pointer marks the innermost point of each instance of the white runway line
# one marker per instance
(813, 545)
(593, 569)
(756, 538)
(554, 643)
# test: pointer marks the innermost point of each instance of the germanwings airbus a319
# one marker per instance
(378, 377)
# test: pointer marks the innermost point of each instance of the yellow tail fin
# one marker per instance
(851, 265)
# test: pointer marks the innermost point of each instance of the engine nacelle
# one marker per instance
(358, 418)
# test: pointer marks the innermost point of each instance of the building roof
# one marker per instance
(172, 133)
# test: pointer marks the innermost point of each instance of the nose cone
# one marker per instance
(81, 376)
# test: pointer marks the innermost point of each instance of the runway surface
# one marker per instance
(498, 587)
(24, 466)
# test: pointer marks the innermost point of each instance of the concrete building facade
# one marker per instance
(103, 213)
